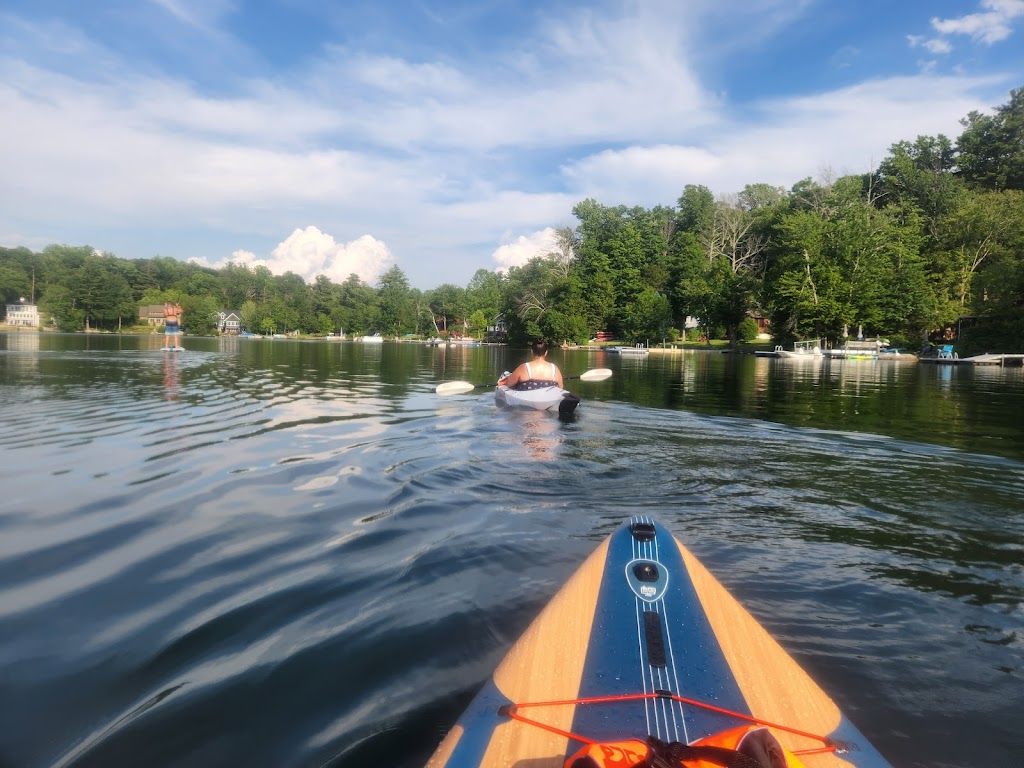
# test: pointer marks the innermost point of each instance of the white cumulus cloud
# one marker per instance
(524, 248)
(989, 26)
(309, 252)
(932, 45)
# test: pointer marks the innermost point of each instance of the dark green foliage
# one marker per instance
(449, 308)
(991, 148)
(14, 284)
(748, 329)
(485, 292)
(395, 305)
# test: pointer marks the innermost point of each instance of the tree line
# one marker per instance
(934, 235)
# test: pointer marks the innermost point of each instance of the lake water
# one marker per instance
(282, 553)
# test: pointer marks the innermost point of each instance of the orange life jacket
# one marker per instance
(749, 746)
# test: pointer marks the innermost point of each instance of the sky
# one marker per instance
(446, 136)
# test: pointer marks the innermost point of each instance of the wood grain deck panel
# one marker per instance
(544, 665)
(773, 684)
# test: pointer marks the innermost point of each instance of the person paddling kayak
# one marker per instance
(536, 374)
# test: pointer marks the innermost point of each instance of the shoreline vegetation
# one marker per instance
(715, 345)
(926, 248)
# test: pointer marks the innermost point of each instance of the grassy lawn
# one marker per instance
(719, 345)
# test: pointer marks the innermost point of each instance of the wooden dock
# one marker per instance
(999, 359)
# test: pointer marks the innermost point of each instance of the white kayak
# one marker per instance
(542, 399)
(550, 398)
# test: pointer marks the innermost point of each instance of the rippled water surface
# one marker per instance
(278, 553)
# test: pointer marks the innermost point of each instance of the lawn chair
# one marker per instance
(946, 352)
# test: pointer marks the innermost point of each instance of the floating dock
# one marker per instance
(999, 359)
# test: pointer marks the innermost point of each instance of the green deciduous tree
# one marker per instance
(990, 151)
(14, 283)
(449, 307)
(477, 323)
(357, 311)
(720, 279)
(252, 316)
(647, 317)
(921, 173)
(485, 292)
(529, 297)
(201, 314)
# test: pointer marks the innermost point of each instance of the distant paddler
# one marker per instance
(172, 325)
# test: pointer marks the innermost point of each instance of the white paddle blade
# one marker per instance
(596, 374)
(454, 388)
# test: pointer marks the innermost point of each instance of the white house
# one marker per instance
(23, 313)
(497, 331)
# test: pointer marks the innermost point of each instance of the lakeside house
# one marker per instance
(229, 322)
(22, 314)
(497, 331)
(151, 314)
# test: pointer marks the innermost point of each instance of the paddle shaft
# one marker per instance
(564, 378)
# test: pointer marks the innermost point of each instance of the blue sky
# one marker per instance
(450, 136)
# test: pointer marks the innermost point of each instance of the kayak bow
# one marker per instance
(643, 641)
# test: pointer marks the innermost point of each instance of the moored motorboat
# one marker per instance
(802, 350)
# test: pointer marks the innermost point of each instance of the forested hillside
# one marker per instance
(934, 234)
